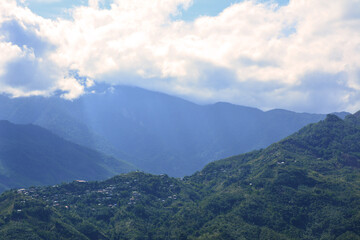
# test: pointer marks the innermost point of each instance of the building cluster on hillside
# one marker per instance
(107, 195)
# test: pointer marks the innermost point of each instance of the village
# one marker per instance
(94, 194)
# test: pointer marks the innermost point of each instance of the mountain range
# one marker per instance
(156, 132)
(306, 186)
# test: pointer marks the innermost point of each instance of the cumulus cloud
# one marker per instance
(304, 56)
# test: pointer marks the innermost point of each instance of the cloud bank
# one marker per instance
(304, 56)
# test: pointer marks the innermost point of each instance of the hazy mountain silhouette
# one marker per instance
(31, 155)
(157, 132)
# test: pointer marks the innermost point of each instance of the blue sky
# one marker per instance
(53, 8)
(58, 8)
(297, 55)
(211, 8)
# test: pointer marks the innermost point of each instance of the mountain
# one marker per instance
(31, 155)
(156, 132)
(306, 186)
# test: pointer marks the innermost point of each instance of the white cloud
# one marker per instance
(8, 53)
(252, 54)
(71, 87)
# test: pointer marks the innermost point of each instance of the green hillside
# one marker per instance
(31, 155)
(306, 186)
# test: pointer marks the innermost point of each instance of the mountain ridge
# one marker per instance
(306, 186)
(157, 132)
(31, 155)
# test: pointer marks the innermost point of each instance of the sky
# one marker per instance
(300, 55)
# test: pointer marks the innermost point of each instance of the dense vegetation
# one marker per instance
(306, 186)
(156, 132)
(31, 155)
